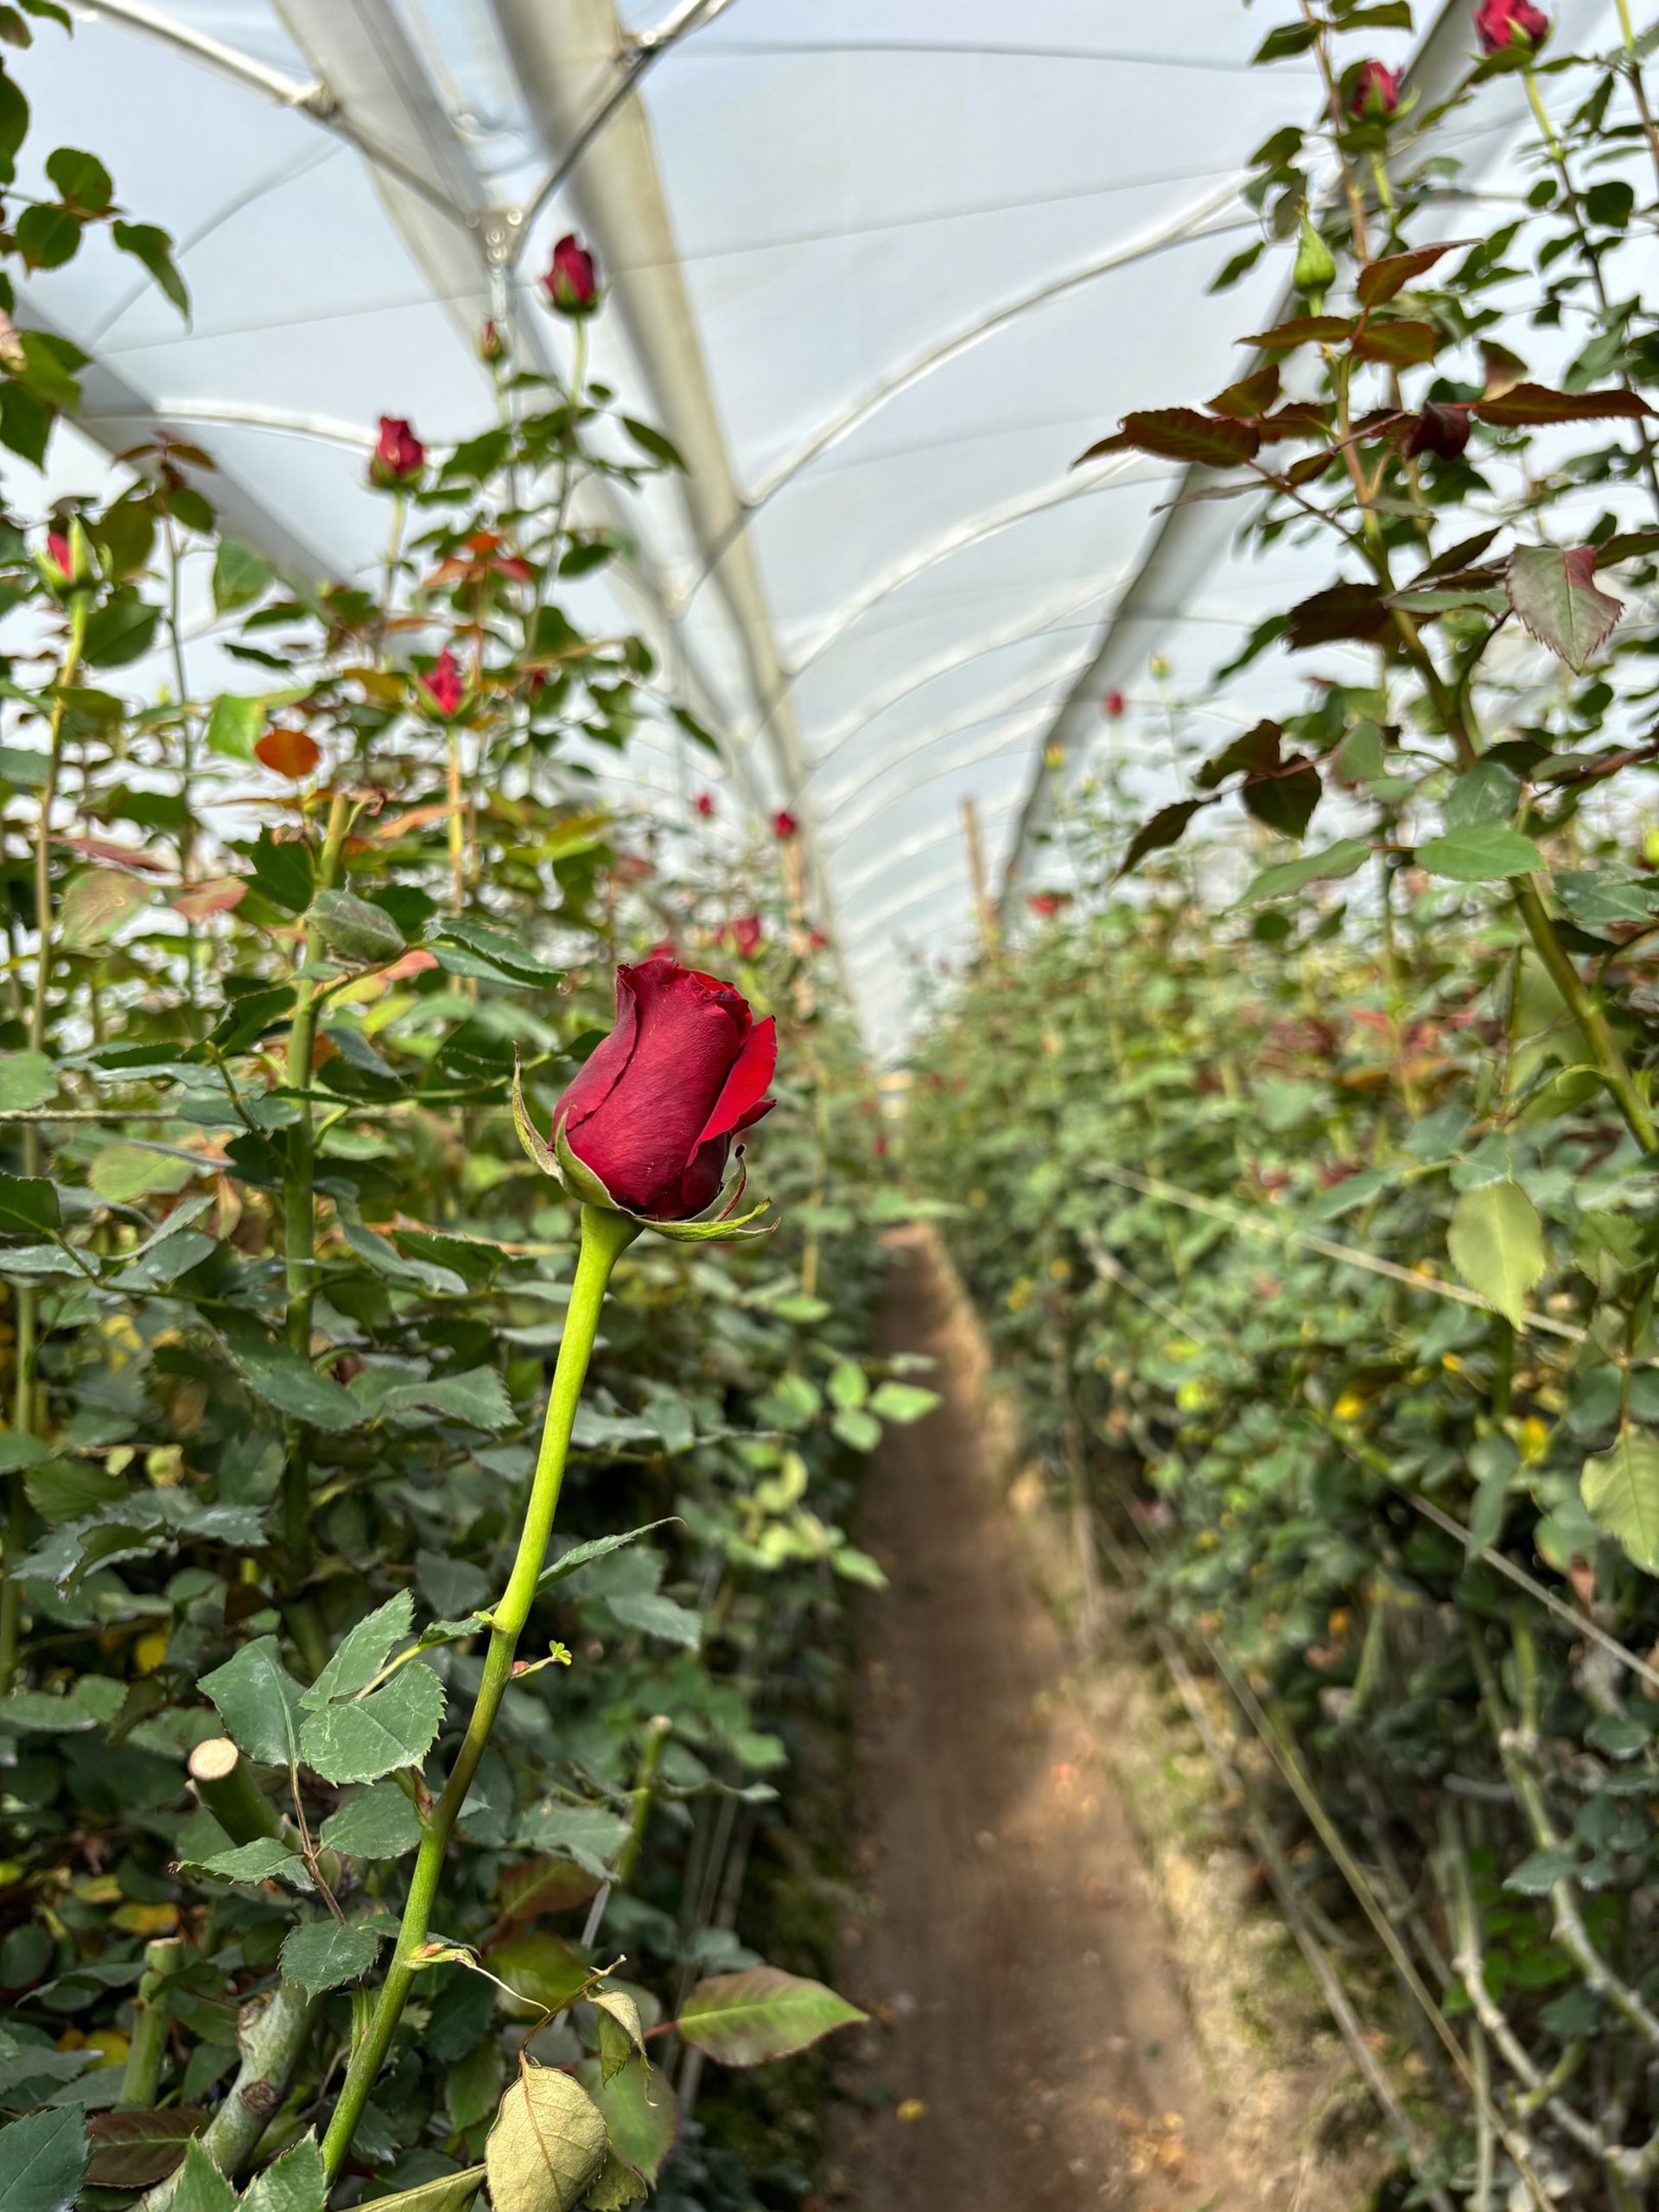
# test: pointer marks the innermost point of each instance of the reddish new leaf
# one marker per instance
(1303, 330)
(1528, 403)
(1552, 589)
(537, 1885)
(133, 2149)
(1167, 827)
(217, 896)
(1183, 434)
(1356, 611)
(288, 753)
(1302, 418)
(1251, 396)
(1400, 345)
(1382, 279)
(1254, 752)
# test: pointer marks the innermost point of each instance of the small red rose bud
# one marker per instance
(399, 457)
(444, 686)
(783, 825)
(1501, 24)
(1376, 95)
(704, 803)
(572, 281)
(1112, 705)
(654, 1111)
(747, 931)
(491, 344)
(1047, 904)
(67, 563)
(815, 941)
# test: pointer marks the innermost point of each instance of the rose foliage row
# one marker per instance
(389, 1705)
(1303, 1140)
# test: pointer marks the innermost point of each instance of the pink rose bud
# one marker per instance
(399, 457)
(1047, 904)
(1112, 705)
(746, 935)
(784, 825)
(491, 344)
(1376, 95)
(1501, 24)
(704, 803)
(67, 563)
(443, 685)
(572, 282)
(655, 1109)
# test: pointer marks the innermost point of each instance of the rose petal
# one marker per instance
(746, 1085)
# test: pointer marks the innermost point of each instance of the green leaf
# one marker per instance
(95, 906)
(904, 1403)
(124, 1172)
(152, 246)
(239, 575)
(448, 2193)
(1620, 1490)
(258, 1700)
(654, 443)
(283, 1378)
(858, 1430)
(1482, 852)
(47, 237)
(81, 180)
(362, 1738)
(43, 2159)
(353, 930)
(29, 1202)
(322, 1954)
(26, 1080)
(535, 1886)
(548, 2143)
(1487, 793)
(1553, 591)
(743, 2019)
(541, 1967)
(376, 1823)
(1538, 1873)
(131, 2149)
(1497, 1244)
(200, 2186)
(121, 630)
(641, 2113)
(588, 1833)
(489, 950)
(365, 1652)
(1285, 878)
(235, 724)
(479, 1398)
(293, 2182)
(268, 1857)
(583, 1555)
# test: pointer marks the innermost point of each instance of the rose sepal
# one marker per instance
(582, 1182)
(537, 1148)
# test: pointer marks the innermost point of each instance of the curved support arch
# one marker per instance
(876, 786)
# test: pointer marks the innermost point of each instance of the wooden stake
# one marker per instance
(984, 911)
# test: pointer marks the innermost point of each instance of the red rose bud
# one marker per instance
(1376, 95)
(572, 282)
(399, 456)
(704, 803)
(1439, 429)
(67, 563)
(784, 825)
(1112, 705)
(491, 344)
(655, 1109)
(1501, 24)
(815, 941)
(1047, 904)
(443, 685)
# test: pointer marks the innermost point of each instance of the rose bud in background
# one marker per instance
(1501, 24)
(572, 280)
(704, 803)
(655, 1109)
(746, 934)
(784, 825)
(443, 685)
(399, 459)
(1376, 95)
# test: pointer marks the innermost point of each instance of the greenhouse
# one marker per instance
(828, 1071)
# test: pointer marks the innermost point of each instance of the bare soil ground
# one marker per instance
(1033, 2046)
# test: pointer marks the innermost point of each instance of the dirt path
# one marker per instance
(1033, 2051)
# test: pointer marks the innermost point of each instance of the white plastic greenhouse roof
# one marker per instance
(881, 268)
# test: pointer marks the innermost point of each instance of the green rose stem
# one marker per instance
(26, 1351)
(605, 1236)
(299, 1241)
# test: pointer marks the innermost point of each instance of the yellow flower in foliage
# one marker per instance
(1534, 1438)
(149, 1651)
(1020, 1295)
(1349, 1406)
